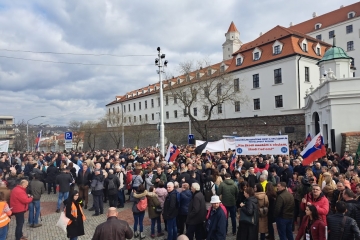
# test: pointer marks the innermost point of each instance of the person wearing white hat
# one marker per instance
(216, 220)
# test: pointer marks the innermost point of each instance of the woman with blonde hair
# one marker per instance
(329, 188)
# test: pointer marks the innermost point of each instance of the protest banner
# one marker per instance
(4, 146)
(278, 145)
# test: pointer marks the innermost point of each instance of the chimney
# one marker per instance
(260, 33)
(341, 6)
(291, 24)
(314, 15)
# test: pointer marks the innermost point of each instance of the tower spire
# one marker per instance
(232, 28)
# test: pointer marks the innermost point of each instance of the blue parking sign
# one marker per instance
(68, 135)
(191, 139)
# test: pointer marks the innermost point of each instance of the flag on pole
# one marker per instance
(314, 150)
(307, 139)
(172, 152)
(199, 149)
(37, 141)
(233, 162)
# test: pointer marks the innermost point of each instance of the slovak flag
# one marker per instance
(233, 162)
(314, 150)
(37, 141)
(308, 139)
(172, 153)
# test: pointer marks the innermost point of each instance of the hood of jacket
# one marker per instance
(151, 194)
(260, 195)
(229, 182)
(99, 177)
(140, 195)
(111, 176)
(253, 199)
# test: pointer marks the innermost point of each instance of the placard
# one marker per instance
(275, 145)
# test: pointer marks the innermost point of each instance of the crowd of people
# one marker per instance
(194, 196)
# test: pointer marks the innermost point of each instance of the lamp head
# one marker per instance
(158, 49)
(165, 63)
(156, 61)
(162, 55)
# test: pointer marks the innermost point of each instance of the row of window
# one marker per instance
(349, 29)
(278, 104)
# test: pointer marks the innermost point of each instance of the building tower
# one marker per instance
(232, 43)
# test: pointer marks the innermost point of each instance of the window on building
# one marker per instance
(256, 56)
(139, 105)
(277, 50)
(256, 81)
(206, 110)
(175, 113)
(318, 37)
(307, 74)
(317, 26)
(222, 69)
(188, 78)
(167, 114)
(332, 34)
(129, 119)
(278, 101)
(124, 109)
(351, 15)
(236, 85)
(140, 118)
(166, 100)
(218, 89)
(146, 118)
(206, 91)
(109, 111)
(318, 51)
(197, 75)
(118, 109)
(277, 76)
(134, 118)
(304, 47)
(129, 107)
(256, 103)
(350, 45)
(185, 113)
(134, 106)
(152, 103)
(145, 104)
(349, 29)
(238, 62)
(195, 111)
(152, 116)
(124, 120)
(158, 101)
(194, 95)
(175, 99)
(113, 110)
(237, 106)
(220, 108)
(352, 64)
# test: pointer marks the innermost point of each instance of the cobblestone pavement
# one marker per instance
(48, 230)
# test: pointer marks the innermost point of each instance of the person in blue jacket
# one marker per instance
(216, 220)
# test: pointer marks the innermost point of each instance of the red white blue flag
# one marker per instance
(172, 152)
(308, 139)
(37, 141)
(314, 150)
(233, 162)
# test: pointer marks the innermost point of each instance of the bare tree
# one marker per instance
(75, 127)
(136, 129)
(208, 89)
(92, 130)
(20, 136)
(115, 127)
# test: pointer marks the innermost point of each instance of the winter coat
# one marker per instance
(137, 180)
(162, 178)
(197, 209)
(97, 185)
(112, 177)
(19, 200)
(64, 180)
(153, 202)
(170, 209)
(252, 180)
(76, 227)
(337, 196)
(228, 192)
(36, 189)
(113, 228)
(217, 227)
(317, 229)
(135, 197)
(284, 205)
(84, 179)
(247, 231)
(262, 202)
(321, 204)
(334, 223)
(6, 192)
(184, 175)
(353, 210)
(185, 198)
(51, 173)
(128, 180)
(161, 193)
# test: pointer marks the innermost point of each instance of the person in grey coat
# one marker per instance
(36, 189)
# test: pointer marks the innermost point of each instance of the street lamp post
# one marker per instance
(161, 65)
(27, 131)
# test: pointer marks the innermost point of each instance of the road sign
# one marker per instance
(68, 145)
(68, 135)
(191, 139)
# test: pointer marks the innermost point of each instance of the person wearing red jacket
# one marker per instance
(318, 199)
(19, 201)
(312, 226)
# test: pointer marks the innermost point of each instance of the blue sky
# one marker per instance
(185, 30)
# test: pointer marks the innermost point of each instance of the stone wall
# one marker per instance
(350, 142)
(177, 133)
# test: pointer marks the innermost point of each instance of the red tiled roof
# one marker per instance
(328, 19)
(232, 28)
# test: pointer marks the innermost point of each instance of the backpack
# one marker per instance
(208, 191)
(111, 184)
(142, 204)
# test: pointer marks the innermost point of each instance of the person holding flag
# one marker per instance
(172, 153)
(37, 141)
(307, 139)
(314, 150)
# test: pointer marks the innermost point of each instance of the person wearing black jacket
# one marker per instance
(352, 206)
(112, 189)
(51, 173)
(170, 211)
(342, 227)
(196, 213)
(83, 181)
(63, 180)
(246, 230)
(184, 177)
